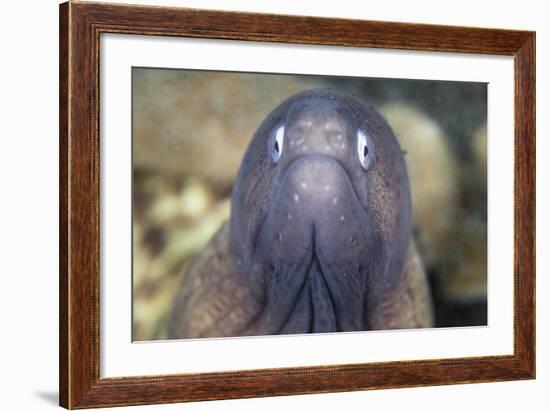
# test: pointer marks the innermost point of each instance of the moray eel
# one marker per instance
(319, 238)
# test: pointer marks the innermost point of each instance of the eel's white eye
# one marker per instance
(364, 150)
(276, 143)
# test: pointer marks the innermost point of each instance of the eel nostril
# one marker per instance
(336, 139)
(298, 137)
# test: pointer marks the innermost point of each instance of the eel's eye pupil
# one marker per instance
(363, 151)
(276, 144)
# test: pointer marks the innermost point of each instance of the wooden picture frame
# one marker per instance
(80, 27)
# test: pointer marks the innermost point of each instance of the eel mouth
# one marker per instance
(314, 309)
(314, 241)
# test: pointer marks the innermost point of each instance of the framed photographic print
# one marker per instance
(256, 205)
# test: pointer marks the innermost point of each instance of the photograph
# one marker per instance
(267, 204)
(273, 204)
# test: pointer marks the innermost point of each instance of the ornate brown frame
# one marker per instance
(81, 24)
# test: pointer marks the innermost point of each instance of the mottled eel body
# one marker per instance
(319, 238)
